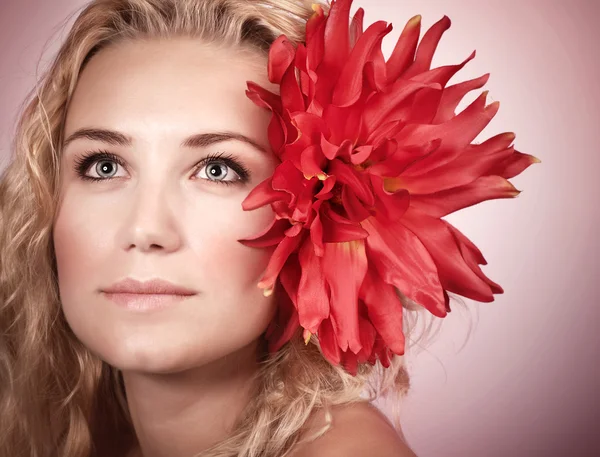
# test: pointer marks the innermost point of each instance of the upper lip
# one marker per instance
(153, 286)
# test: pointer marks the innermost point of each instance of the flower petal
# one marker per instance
(361, 154)
(316, 232)
(290, 278)
(325, 192)
(272, 235)
(374, 70)
(281, 56)
(291, 95)
(386, 131)
(284, 324)
(344, 268)
(348, 176)
(404, 261)
(330, 150)
(335, 55)
(344, 123)
(441, 75)
(456, 135)
(381, 352)
(349, 85)
(356, 26)
(353, 206)
(396, 158)
(427, 47)
(455, 274)
(367, 338)
(462, 171)
(315, 40)
(313, 161)
(313, 297)
(262, 195)
(337, 231)
(328, 342)
(287, 178)
(384, 309)
(454, 94)
(442, 203)
(384, 107)
(404, 51)
(514, 164)
(350, 362)
(473, 258)
(277, 261)
(390, 206)
(312, 128)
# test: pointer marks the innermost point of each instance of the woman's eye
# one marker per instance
(105, 163)
(106, 167)
(218, 171)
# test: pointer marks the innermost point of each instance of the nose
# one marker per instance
(151, 221)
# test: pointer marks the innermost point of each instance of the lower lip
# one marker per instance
(145, 302)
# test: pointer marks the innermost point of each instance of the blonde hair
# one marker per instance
(56, 397)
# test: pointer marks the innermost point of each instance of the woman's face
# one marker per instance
(154, 213)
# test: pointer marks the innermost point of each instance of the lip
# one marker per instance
(145, 302)
(155, 286)
(147, 295)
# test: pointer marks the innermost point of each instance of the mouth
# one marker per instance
(145, 301)
(152, 287)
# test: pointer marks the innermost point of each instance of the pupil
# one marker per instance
(214, 170)
(105, 167)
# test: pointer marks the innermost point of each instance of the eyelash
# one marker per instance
(83, 164)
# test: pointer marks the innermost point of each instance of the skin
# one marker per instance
(359, 429)
(186, 368)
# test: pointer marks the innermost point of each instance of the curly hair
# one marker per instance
(56, 397)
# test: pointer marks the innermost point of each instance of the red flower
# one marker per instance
(372, 157)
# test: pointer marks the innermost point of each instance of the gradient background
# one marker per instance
(526, 381)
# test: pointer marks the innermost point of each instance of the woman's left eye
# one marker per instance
(218, 171)
(222, 168)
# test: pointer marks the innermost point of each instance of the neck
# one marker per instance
(181, 414)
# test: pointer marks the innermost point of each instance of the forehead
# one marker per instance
(177, 84)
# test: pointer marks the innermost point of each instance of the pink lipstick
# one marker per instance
(147, 295)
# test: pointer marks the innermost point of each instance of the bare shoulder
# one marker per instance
(359, 429)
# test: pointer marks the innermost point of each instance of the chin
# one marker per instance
(148, 355)
(172, 356)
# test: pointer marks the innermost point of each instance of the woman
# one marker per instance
(142, 208)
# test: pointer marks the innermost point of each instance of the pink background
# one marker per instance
(526, 382)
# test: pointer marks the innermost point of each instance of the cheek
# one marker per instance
(81, 239)
(82, 246)
(74, 264)
(220, 255)
(72, 250)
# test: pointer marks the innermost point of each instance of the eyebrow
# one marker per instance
(199, 140)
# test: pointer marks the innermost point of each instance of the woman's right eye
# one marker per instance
(104, 163)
